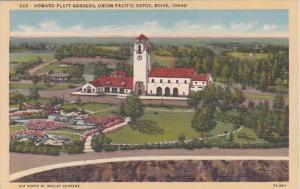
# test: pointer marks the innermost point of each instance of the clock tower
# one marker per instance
(141, 64)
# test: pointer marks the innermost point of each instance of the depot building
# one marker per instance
(148, 81)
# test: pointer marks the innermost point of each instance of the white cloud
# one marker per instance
(270, 27)
(242, 26)
(216, 27)
(182, 28)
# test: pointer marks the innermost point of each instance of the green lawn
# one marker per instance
(27, 56)
(173, 123)
(250, 133)
(40, 86)
(69, 130)
(55, 67)
(259, 96)
(94, 107)
(72, 136)
(13, 129)
(247, 56)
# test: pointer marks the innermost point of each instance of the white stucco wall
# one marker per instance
(84, 88)
(182, 84)
(141, 67)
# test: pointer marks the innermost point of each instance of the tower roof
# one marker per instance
(142, 37)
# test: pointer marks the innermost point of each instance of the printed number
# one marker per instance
(279, 185)
(23, 5)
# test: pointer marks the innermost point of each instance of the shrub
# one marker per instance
(147, 126)
(23, 147)
(75, 147)
(100, 143)
(245, 136)
(181, 137)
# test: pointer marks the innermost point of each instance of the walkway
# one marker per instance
(40, 66)
(88, 142)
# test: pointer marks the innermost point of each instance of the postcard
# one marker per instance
(154, 94)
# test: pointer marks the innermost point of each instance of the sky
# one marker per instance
(154, 23)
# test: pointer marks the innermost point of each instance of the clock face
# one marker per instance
(139, 57)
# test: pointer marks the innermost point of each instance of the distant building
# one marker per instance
(59, 77)
(149, 81)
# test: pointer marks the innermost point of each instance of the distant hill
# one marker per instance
(164, 41)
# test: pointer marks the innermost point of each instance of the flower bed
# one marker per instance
(43, 125)
(35, 135)
(104, 121)
(25, 114)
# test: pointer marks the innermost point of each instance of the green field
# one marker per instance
(93, 107)
(40, 86)
(259, 96)
(55, 67)
(114, 48)
(27, 56)
(248, 56)
(168, 61)
(173, 123)
(250, 133)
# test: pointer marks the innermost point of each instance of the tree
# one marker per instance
(181, 137)
(34, 93)
(283, 125)
(231, 137)
(278, 103)
(239, 97)
(35, 79)
(101, 69)
(46, 80)
(16, 98)
(132, 107)
(100, 142)
(203, 120)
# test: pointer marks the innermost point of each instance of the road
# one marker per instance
(37, 68)
(20, 162)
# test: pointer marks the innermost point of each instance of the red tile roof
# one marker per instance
(200, 77)
(118, 72)
(142, 37)
(172, 72)
(108, 81)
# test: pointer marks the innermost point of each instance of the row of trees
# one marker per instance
(90, 50)
(269, 122)
(21, 70)
(30, 46)
(265, 74)
(101, 69)
(262, 73)
(211, 100)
